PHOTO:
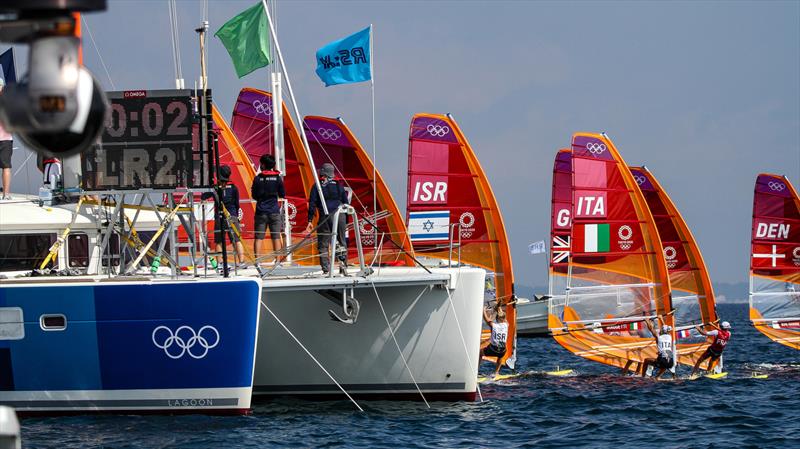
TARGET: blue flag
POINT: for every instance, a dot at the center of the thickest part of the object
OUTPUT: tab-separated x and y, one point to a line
347	60
7	62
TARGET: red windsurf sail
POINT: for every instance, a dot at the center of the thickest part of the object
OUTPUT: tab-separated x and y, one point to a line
449	194
775	260
332	141
252	125
692	291
616	276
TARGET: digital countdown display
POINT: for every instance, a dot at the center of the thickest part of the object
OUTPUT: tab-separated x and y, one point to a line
147	142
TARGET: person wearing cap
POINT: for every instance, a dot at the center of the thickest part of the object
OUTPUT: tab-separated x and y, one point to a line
722	335
6	148
335	195
666	353
230	201
267	189
496	346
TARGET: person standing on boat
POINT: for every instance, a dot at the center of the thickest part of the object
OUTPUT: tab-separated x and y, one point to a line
230	201
50	167
722	335
335	195
496	346
666	350
6	148
267	189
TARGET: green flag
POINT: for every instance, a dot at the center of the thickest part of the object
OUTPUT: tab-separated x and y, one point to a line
246	37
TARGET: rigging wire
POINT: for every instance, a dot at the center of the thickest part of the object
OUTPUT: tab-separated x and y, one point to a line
310	355
97	49
396	344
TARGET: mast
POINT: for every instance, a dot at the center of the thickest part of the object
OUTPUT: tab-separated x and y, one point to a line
294	105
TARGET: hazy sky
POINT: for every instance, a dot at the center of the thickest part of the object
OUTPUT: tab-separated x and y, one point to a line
706	94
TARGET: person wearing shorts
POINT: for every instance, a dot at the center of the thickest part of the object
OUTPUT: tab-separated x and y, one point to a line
666	350
267	190
498	337
721	335
6	148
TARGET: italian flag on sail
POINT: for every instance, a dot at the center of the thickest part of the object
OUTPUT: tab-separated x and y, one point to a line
593	238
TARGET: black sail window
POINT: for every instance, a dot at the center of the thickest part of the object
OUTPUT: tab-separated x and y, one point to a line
19	252
78	250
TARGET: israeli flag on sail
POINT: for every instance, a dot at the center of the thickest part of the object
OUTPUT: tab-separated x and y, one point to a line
537	247
347	60
429	225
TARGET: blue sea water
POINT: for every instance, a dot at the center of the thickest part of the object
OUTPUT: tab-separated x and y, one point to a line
594	408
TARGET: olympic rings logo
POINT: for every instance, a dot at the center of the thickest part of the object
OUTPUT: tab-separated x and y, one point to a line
438	130
240	214
367	233
796	256
640	179
777	186
262	107
186	341
329	134
596	148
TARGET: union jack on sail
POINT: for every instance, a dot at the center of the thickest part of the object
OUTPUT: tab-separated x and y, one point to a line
560	248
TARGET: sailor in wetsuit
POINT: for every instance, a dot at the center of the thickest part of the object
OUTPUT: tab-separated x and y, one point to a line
496	346
666	351
267	189
721	336
335	195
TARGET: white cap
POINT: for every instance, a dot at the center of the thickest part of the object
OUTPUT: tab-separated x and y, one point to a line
725	325
666	328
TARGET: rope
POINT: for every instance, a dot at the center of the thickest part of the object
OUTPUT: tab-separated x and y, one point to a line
397	345
460	332
311	355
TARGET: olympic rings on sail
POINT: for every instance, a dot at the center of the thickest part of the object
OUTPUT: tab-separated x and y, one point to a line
329	134
596	148
262	107
777	186
438	130
185	342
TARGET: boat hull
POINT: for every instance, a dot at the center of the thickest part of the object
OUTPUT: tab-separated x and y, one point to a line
532	319
128	346
362	356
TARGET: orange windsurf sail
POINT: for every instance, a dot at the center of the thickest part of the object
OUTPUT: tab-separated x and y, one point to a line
616	277
692	292
775	260
449	195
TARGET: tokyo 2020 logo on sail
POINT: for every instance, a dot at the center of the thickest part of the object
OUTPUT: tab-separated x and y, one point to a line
639	179
671	255
776	186
625	234
263	107
438	130
466	220
185	341
796	256
329	134
596	148
367	232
